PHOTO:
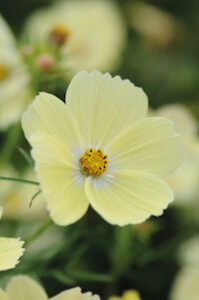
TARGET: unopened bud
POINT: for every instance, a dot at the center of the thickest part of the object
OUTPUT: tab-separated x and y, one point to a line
45	62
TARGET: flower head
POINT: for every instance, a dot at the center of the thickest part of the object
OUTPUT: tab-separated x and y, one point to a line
23	287
10	251
155	25
127	295
89	34
186	283
59	34
45	62
14	80
185	181
100	149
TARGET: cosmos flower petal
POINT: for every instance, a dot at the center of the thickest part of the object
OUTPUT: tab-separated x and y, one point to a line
150	145
130	197
127	295
11	249
103	106
64	195
6	36
47	149
50	115
23	287
184	182
1	211
75	294
61	183
15	91
182	117
3	295
186	284
131	295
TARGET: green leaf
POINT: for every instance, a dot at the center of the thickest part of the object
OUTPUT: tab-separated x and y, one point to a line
62	277
82	275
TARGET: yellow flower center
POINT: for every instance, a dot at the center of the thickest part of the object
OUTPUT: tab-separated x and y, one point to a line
59	34
3	72
94	162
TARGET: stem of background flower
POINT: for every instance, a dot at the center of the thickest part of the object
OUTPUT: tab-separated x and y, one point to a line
19	180
38	232
10	144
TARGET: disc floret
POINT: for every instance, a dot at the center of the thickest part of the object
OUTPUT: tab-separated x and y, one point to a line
3	72
94	162
58	34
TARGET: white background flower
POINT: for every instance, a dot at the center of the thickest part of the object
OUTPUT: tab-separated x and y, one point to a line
96	33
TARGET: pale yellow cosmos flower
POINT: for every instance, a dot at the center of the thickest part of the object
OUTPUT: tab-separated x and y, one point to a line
186	283
91	33
185	181
101	149
23	287
14	80
189	252
127	295
11	249
155	25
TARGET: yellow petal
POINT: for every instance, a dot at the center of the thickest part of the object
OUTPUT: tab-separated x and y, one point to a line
75	294
150	145
131	295
1	211
48	150
128	197
185	123
25	288
10	251
61	182
6	36
50	115
104	106
3	295
186	284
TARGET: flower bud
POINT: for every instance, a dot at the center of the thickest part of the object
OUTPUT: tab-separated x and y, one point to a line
45	62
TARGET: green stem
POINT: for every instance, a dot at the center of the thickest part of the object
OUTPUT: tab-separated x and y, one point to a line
26	156
10	144
19	180
38	232
33	198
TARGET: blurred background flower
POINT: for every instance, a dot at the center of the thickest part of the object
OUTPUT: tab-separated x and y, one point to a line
185	181
25	287
14	79
89	34
127	295
186	284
